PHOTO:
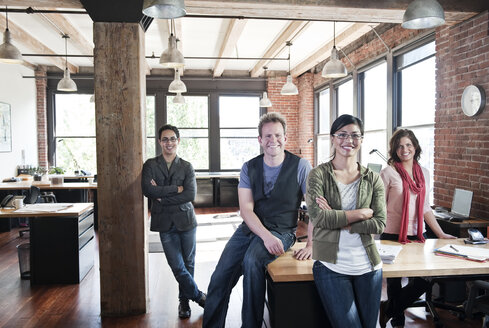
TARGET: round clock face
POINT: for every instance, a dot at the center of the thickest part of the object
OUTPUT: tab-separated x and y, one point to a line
473	100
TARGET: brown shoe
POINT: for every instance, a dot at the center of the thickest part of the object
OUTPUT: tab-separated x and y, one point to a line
383	317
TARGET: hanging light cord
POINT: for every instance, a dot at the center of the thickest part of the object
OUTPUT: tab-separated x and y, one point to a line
65	36
334	34
288	44
172	26
6	17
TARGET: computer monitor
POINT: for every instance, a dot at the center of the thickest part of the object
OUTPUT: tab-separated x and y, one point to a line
461	202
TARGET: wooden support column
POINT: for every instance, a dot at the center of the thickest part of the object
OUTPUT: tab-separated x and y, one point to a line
120	93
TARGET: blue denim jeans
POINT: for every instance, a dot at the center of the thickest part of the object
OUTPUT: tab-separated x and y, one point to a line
244	254
179	248
349	301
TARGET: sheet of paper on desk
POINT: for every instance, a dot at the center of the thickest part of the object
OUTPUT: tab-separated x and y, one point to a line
468	252
388	253
43	207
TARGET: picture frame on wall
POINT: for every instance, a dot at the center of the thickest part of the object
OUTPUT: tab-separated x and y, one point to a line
5	128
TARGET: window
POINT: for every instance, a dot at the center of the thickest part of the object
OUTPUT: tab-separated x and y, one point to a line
374	90
416	71
345	98
75	133
192	120
323	140
238	121
150	127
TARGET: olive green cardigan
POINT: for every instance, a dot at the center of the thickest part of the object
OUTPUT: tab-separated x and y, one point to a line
328	223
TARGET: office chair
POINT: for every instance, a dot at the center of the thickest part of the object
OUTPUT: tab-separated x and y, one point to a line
477	301
35	196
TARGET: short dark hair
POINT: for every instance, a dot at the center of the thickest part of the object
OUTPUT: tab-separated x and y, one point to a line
168	127
396	140
271	118
344	120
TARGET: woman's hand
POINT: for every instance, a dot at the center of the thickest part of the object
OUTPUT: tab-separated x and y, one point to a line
322	203
446	236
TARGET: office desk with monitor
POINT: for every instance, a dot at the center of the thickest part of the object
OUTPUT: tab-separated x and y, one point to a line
217	189
291	289
68	192
62	243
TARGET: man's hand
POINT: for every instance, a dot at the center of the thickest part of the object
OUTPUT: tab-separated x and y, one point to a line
180	189
274	245
322	203
153	183
304	253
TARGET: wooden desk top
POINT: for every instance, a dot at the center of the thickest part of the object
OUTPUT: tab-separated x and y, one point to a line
222	175
46	186
415	260
75	210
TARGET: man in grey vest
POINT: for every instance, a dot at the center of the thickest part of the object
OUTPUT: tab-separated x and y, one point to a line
270	191
169	181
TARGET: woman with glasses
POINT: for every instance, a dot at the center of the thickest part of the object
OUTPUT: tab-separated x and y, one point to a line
406	193
346	205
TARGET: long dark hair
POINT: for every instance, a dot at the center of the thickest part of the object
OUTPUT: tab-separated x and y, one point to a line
396	140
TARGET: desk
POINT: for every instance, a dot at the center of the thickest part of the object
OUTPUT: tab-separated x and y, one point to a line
459	229
216	189
62	243
68	192
291	289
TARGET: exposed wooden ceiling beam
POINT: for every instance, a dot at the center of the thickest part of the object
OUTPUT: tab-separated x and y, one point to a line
76	36
378	11
278	45
19	36
342	39
43	3
233	33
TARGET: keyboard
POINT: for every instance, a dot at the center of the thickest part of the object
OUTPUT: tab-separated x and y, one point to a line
442	215
449	216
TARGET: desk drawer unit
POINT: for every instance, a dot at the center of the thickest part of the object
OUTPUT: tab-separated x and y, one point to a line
62	249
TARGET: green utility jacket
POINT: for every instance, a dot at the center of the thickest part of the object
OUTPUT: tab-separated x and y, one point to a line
328	223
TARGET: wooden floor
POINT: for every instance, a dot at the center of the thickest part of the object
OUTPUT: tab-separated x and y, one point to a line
79	305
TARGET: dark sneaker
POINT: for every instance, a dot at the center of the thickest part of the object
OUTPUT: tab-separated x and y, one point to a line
184	309
202	299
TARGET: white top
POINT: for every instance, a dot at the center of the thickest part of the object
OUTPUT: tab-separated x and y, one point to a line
352	258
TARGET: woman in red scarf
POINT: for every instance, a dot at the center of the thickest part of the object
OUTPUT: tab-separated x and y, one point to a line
407	196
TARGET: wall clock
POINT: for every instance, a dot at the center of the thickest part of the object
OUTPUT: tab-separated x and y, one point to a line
473	100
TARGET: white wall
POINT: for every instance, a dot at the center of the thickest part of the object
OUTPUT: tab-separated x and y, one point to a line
20	93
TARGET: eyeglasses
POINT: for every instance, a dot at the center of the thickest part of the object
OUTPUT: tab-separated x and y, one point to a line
167	140
354	136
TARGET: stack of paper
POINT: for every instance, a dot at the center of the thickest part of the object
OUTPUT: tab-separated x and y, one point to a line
467	252
43	207
388	253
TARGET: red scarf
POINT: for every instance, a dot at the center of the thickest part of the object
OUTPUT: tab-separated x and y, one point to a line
418	187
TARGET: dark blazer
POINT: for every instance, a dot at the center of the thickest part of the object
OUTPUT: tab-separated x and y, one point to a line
173	207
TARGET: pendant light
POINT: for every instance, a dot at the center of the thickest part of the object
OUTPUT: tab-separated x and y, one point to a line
66	83
177	86
179	99
334	68
264	101
423	14
289	88
9	54
164	9
172	57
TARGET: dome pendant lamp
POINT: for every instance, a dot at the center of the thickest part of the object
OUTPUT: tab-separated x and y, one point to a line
334	68
9	54
423	14
164	9
177	86
66	83
265	102
172	57
289	88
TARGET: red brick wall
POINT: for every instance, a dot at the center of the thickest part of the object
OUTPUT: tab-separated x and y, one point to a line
461	142
298	112
41	108
288	106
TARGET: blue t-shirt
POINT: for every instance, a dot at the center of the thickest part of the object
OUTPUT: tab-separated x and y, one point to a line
270	175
